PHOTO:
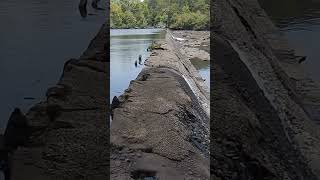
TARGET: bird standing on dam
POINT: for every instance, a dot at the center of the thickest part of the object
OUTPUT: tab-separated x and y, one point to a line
140	59
136	63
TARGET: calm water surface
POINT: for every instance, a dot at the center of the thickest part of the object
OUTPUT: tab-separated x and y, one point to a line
125	47
36	38
299	20
204	70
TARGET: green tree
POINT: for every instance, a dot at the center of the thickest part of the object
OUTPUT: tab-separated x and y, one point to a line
116	16
177	14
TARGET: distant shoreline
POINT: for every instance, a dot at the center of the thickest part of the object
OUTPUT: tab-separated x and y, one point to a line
162	28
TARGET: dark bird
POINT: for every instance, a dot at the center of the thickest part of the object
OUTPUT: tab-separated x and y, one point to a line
302	58
83	8
140	58
136	63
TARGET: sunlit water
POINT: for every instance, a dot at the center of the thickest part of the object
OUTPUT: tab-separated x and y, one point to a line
125	47
36	38
300	22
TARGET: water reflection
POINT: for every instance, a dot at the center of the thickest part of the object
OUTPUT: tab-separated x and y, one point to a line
300	22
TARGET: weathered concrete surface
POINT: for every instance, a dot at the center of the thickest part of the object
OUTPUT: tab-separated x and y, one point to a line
248	137
69	131
279	139
161	128
175	59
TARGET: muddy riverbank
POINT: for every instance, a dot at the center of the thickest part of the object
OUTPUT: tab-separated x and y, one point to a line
265	107
160	126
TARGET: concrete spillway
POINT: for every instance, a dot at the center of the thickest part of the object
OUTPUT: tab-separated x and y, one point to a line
278	132
160	129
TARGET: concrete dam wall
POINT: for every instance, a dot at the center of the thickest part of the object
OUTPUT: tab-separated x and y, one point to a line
262	127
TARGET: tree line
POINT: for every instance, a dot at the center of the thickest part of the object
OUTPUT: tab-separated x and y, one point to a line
175	14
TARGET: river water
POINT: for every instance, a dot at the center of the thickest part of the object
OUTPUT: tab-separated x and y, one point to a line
299	20
125	47
36	38
203	68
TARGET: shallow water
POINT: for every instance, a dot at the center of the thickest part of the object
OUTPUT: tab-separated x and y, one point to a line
299	20
204	69
125	47
36	38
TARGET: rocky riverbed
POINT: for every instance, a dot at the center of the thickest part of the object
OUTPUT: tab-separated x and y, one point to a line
194	44
262	127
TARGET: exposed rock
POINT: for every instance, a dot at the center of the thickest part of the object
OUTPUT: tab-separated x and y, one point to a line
143	77
195	44
59	91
